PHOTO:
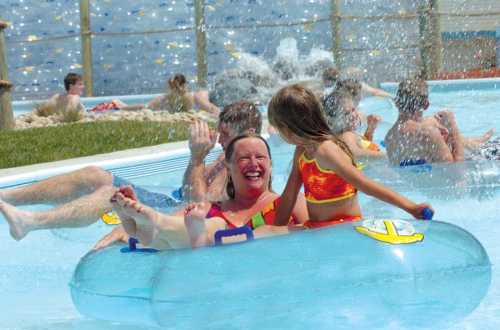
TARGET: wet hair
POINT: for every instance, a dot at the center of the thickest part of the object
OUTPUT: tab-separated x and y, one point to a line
412	96
296	109
330	74
333	106
71	79
176	97
351	86
229	154
241	115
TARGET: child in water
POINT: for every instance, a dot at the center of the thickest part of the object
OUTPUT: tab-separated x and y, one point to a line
324	164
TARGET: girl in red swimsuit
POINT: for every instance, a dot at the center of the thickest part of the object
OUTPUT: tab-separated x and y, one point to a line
323	163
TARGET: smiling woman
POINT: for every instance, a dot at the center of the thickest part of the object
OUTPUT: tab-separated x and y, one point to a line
251	203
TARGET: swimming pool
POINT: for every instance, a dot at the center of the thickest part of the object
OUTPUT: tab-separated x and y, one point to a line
34	272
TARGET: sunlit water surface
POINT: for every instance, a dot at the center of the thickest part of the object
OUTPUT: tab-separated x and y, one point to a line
34	272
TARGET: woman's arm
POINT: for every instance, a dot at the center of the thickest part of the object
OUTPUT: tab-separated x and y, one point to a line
374	91
156	103
351	139
201	99
201	141
289	196
338	161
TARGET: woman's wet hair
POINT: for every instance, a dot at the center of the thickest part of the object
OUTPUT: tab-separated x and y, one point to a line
242	116
71	79
177	96
333	106
228	154
296	109
412	96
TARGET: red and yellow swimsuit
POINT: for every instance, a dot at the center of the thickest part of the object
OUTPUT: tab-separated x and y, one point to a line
265	217
324	186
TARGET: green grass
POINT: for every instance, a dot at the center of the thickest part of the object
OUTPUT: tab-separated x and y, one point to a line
39	145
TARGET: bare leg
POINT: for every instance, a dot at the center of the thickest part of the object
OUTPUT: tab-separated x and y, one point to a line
60	188
77	213
475	142
151	227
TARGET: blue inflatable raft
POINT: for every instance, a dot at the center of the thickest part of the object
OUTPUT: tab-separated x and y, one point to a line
365	274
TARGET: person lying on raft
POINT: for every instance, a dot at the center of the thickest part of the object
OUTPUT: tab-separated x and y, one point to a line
324	164
67	102
344	118
81	197
331	79
251	203
417	139
177	98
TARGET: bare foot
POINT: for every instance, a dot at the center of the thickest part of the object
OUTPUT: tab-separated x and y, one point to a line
131	211
17	219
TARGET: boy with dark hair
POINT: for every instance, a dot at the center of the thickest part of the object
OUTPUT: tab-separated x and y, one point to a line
68	103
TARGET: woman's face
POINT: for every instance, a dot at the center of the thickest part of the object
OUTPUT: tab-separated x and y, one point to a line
250	167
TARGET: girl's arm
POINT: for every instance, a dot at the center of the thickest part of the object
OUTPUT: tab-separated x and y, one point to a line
338	161
289	196
300	210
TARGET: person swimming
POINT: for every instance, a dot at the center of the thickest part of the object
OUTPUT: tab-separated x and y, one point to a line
415	139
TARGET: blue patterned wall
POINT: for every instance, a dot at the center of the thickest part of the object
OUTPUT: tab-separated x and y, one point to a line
44	42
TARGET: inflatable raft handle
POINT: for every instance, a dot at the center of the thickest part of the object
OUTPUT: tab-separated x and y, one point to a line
132	247
427	213
232	232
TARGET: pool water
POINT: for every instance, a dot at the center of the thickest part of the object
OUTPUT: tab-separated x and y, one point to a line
34	272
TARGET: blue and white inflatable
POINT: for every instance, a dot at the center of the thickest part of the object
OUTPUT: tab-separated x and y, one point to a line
366	274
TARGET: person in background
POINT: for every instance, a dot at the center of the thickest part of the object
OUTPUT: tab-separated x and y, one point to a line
415	139
177	98
343	119
332	77
67	103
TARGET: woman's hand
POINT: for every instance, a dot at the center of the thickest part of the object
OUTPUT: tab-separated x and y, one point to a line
118	234
194	220
202	139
